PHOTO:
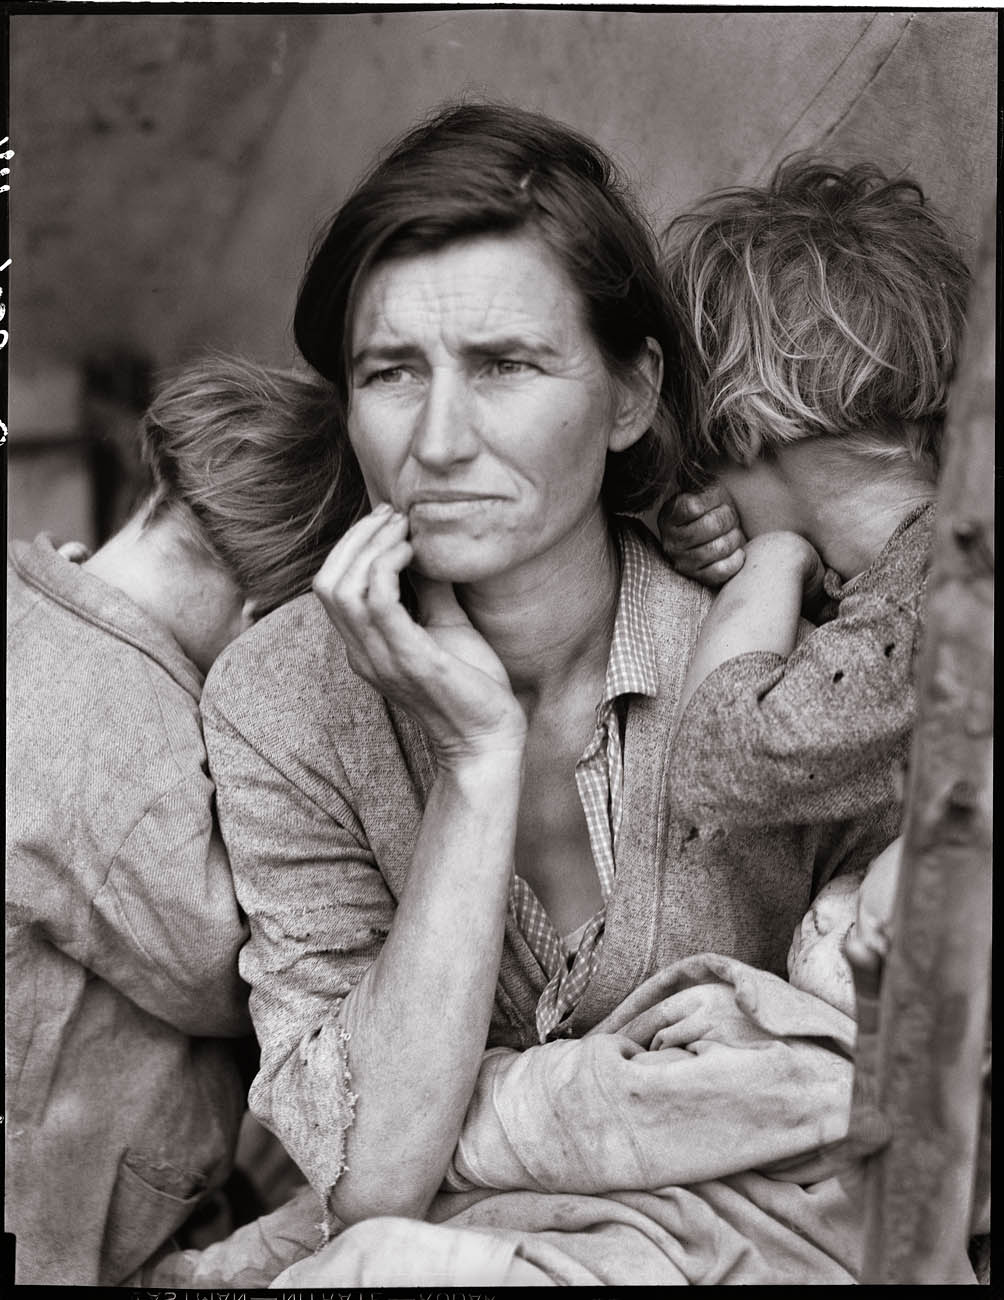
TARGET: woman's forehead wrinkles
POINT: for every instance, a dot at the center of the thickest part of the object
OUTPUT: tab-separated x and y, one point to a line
470	312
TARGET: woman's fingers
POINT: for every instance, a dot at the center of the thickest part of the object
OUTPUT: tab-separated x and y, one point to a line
444	672
398	646
348	550
359	586
437	603
445	621
382	579
343	579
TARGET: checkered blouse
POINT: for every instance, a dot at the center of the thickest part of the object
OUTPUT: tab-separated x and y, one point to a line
631	670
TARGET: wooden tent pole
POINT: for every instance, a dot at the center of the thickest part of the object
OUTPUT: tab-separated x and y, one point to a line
934	999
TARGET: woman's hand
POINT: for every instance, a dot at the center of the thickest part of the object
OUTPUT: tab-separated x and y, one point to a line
419	1016
444	672
702	536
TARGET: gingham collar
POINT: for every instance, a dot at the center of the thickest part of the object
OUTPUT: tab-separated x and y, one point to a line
632	667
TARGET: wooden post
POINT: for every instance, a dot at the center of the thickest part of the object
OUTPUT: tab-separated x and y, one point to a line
934	999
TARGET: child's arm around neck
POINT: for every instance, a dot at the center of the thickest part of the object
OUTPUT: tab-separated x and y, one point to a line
759	609
777	727
810	502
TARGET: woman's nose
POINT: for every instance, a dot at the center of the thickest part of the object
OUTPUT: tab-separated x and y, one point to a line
444	429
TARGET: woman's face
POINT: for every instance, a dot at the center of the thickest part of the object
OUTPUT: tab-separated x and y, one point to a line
481	406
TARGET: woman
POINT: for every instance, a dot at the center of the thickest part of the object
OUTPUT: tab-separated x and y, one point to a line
442	784
127	1020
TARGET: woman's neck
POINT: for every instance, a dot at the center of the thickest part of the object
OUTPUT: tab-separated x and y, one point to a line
551	621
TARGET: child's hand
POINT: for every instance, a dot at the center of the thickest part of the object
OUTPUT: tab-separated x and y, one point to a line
757	610
75	552
783	553
701	535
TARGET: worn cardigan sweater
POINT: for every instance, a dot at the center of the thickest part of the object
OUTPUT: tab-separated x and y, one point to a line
321	785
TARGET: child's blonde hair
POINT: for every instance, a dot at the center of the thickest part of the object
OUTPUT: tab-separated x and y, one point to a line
828	303
252	462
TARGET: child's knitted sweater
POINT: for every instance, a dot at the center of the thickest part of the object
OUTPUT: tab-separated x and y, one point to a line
824	734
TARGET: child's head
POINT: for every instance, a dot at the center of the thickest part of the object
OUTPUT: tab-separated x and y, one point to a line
828	304
849	921
248	461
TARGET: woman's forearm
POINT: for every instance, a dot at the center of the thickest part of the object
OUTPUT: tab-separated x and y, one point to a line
419	1018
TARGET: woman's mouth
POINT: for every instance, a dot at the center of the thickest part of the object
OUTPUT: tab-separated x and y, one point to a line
447	508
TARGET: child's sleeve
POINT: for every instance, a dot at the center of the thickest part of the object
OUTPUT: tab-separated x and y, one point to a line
819	737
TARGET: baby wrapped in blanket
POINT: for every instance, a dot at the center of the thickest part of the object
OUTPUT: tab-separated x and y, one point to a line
694	1137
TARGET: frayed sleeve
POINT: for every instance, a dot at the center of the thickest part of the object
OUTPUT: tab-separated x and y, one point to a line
319	911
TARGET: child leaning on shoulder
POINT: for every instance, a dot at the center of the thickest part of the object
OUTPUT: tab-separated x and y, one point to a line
123	925
825	314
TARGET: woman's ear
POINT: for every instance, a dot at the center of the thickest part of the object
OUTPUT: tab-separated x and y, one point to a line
637	397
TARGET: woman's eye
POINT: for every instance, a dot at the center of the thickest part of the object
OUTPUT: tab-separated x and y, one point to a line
510	366
390	375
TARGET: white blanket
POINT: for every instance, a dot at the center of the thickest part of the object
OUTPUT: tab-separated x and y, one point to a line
692	1138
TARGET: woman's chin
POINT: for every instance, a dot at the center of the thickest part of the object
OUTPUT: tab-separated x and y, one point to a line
445	559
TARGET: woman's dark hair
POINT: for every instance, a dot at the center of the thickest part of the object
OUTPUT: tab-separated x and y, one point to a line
480	169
